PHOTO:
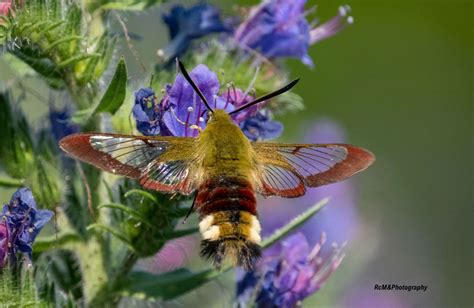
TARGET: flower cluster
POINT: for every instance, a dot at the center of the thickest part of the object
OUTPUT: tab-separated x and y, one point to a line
287	274
20	223
275	29
185	25
279	29
182	113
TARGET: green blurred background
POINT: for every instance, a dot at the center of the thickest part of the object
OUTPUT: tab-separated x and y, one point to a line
400	81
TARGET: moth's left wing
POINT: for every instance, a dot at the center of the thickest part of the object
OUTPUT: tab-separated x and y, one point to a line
165	164
286	169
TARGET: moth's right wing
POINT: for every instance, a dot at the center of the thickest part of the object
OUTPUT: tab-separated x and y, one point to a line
287	169
166	164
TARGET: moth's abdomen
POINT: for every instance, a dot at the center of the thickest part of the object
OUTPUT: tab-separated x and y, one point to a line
229	224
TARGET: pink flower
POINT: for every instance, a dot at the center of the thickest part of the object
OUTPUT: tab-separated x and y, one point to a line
3	242
173	255
5	7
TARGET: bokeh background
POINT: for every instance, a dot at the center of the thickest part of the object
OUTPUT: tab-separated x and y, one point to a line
400	83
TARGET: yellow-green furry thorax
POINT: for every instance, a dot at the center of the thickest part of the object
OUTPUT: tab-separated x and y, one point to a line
226	149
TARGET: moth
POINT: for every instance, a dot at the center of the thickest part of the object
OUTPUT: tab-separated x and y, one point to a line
224	171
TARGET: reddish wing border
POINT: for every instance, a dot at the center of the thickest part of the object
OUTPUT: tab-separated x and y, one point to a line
314	164
276	182
147	167
357	160
78	146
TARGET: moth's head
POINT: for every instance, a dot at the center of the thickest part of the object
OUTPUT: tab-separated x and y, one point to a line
218	115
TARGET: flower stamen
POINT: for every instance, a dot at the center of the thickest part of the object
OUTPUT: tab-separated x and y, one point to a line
333	26
190	109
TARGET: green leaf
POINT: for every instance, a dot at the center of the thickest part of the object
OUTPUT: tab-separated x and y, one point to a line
112	231
61	240
95	67
74	18
52	26
79	58
128	210
173	284
142	193
82	116
16	145
62	41
164	286
180	233
129	5
38	62
6	181
115	95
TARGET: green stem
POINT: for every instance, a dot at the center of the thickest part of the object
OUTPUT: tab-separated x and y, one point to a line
11	182
108	297
93	268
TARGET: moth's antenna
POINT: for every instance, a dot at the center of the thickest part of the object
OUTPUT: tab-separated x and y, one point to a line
268	96
191	82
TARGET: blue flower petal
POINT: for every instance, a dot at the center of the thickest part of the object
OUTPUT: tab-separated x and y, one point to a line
261	127
25	196
185	105
185	25
42	218
23	243
277	29
23	222
146	112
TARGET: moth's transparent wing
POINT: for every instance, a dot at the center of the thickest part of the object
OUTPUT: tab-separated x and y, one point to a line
286	169
165	164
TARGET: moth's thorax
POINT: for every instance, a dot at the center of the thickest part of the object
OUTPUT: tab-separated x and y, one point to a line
225	148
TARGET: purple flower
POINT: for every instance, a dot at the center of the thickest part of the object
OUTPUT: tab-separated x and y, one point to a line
61	124
261	126
185	25
339	219
147	112
186	111
278	28
237	97
333	26
182	113
23	223
3	242
287	274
